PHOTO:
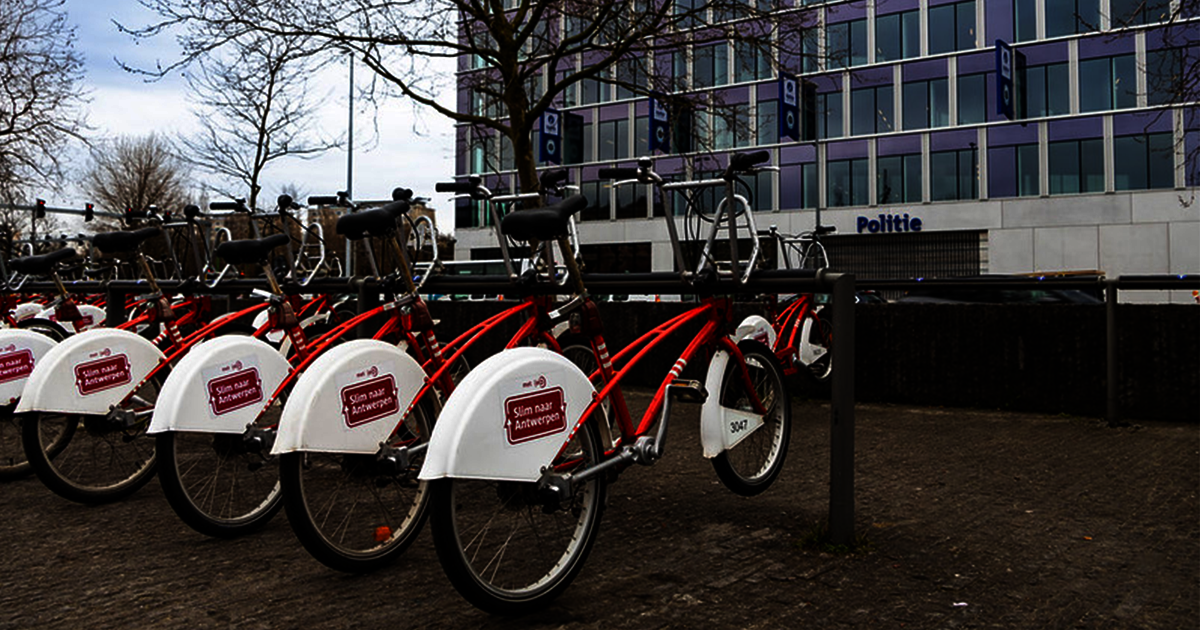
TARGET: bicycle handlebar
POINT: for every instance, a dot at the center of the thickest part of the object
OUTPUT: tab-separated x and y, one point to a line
619	172
323	200
454	187
236	206
743	161
551	179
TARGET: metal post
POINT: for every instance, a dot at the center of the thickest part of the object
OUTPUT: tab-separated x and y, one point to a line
349	266
1112	412
841	418
114	307
368	298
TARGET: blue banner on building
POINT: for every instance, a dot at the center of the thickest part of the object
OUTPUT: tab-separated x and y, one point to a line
789	107
1006	93
660	126
550	138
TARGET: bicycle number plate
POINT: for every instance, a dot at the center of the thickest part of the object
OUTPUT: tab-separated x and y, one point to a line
739	425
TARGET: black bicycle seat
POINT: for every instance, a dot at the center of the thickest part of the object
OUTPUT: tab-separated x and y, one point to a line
250	250
544	224
117	242
376	222
41	264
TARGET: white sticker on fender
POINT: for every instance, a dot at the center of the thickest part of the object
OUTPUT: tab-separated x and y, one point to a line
534	407
368	395
101	370
232	385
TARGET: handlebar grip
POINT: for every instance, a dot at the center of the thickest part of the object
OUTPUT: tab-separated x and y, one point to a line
285	202
454	187
741	161
401	194
622	172
550	179
192	211
225	205
323	200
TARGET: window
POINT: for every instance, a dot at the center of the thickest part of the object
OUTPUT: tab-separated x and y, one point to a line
926	104
631	202
598	205
1147	161
972	99
1076	166
952	27
1165	81
898	36
871	110
1013	171
690	13
798	51
614	140
593	90
766	123
846	44
953	175
568	93
809	186
1107	83
1047	90
731	126
1132	12
898	179
752	63
710	66
846	183
829	115
1068	17
1024	20
576	139
641	136
1029	181
630	71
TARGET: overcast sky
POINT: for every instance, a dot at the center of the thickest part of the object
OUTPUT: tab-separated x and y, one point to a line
126	104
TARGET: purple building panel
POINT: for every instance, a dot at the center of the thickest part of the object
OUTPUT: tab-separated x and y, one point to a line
1002	172
924	70
1192	168
729	96
797	154
768	91
845	12
1055	52
1157	121
998	17
899	145
896	6
935	3
615	111
846	150
952	140
871	77
977	62
826	82
1075	129
1107	45
1014	134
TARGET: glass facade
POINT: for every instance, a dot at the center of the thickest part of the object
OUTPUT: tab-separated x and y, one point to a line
897	105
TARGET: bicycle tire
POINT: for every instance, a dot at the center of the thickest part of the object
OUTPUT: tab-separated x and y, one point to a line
501	549
349	512
754	463
100	462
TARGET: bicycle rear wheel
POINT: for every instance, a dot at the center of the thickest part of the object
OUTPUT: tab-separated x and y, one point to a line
753	464
354	512
503	548
105	458
13	464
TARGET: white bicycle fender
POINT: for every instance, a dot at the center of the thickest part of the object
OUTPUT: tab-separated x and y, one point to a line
89	372
219	386
93	317
508	418
721	428
25	310
757	328
349	400
20	351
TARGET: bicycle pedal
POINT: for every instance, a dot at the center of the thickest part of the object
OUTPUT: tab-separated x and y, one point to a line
686	390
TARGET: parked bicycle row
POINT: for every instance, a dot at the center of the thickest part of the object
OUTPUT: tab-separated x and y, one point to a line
362	424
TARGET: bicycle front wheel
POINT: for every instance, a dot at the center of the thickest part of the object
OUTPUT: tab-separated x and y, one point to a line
355	512
504	548
752	465
104	458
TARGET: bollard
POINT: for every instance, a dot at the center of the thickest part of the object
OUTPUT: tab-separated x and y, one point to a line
841	439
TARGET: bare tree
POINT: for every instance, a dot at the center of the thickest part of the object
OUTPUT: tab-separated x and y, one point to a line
254	102
41	101
136	173
521	56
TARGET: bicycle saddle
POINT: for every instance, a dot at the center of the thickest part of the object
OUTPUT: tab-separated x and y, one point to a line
250	250
38	265
822	230
116	242
544	224
376	222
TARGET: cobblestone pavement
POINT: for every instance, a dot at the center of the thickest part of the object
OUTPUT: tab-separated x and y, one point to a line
965	518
